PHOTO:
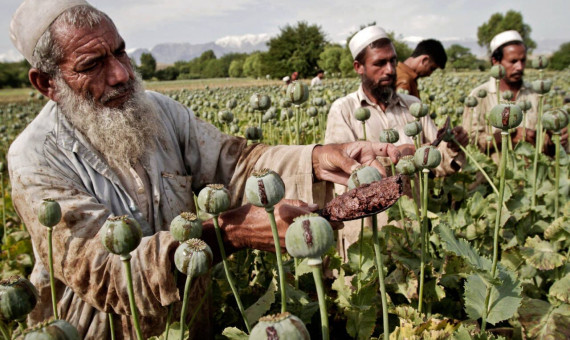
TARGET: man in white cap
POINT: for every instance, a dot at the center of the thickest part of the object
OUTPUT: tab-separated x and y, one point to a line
102	147
375	62
507	49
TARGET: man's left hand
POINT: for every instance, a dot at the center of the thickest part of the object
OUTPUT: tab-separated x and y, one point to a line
335	162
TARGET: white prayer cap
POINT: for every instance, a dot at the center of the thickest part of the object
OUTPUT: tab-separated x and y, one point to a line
364	38
33	18
286	78
503	38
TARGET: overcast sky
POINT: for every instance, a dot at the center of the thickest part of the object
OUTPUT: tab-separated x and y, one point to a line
145	23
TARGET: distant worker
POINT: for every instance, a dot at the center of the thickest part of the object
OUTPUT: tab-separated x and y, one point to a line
294	76
318	80
428	56
507	49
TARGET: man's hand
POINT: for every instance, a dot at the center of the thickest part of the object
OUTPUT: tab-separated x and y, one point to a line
407	149
335	162
460	136
248	226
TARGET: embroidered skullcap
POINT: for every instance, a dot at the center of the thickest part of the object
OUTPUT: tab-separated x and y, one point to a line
365	37
33	18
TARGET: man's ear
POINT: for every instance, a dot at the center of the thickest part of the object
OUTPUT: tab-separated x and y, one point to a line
358	67
42	82
424	60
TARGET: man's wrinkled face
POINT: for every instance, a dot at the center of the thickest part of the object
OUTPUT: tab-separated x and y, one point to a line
95	64
514	62
378	73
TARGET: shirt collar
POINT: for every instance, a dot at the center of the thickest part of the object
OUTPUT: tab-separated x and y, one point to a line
493	86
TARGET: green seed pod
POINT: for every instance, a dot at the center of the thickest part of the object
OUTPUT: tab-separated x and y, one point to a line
427	157
413	128
253	133
186	226
555	120
497	71
481	93
525	105
419	110
309	236
362	114
541	86
18	297
319	101
121	235
312	111
505	116
406	165
508	95
214	199
259	101
285	102
471	101
459	110
540	62
389	136
225	116
49	213
52	330
281	326
231	104
264	188
363	175
193	257
298	92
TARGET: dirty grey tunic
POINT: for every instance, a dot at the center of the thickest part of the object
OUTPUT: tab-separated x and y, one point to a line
52	159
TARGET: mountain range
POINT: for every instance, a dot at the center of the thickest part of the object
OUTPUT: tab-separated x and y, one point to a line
168	53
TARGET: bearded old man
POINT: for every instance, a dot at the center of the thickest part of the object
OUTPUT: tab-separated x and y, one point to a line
103	147
375	62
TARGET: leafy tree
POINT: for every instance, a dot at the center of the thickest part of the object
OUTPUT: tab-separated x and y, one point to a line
329	59
346	64
403	51
498	23
252	66
14	74
460	57
168	73
148	66
236	68
296	48
561	58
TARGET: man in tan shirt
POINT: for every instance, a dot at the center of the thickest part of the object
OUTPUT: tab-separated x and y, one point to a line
508	50
375	62
428	56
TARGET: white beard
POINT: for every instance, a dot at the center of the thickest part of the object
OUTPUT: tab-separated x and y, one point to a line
123	135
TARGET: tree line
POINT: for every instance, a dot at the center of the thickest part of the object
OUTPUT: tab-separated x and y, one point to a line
303	48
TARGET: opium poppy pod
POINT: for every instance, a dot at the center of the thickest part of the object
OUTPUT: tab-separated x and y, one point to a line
540	62
362	114
389	136
186	226
525	105
253	133
259	101
298	92
231	103
555	120
49	213
413	128
507	95
363	175
498	71
264	188
542	86
52	330
406	165
18	297
193	257
419	110
279	326
309	236
121	235
471	101
482	93
427	157
312	111
214	199
505	116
